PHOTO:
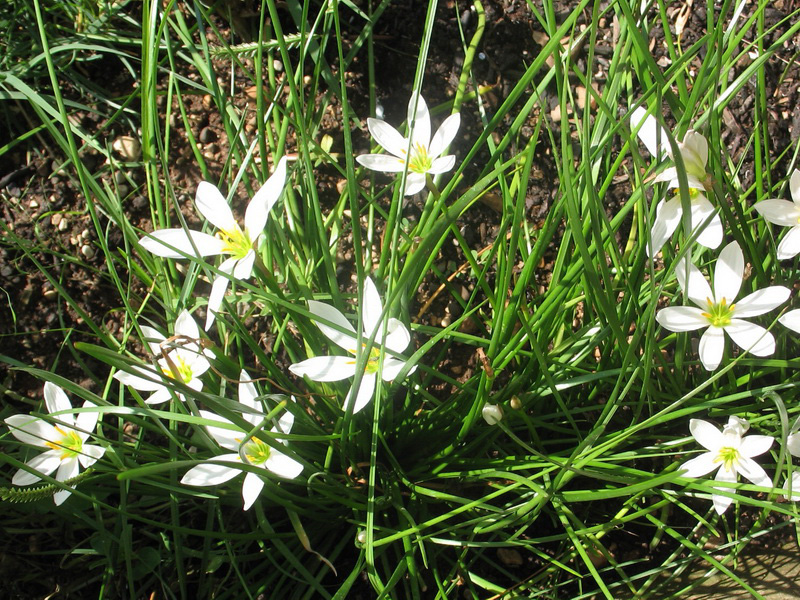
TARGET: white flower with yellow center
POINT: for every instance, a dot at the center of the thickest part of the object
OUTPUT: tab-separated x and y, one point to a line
64	436
254	451
717	310
786	214
231	239
181	359
730	452
393	336
694	152
420	153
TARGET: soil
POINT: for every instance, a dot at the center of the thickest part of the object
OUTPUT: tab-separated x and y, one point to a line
49	242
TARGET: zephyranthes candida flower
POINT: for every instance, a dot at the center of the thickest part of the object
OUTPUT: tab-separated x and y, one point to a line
393	336
717	310
64	435
253	451
231	239
786	214
179	358
694	152
729	451
418	153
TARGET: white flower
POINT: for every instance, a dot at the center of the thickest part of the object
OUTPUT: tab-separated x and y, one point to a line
231	239
255	451
424	150
181	359
729	451
64	439
786	214
393	336
718	311
694	152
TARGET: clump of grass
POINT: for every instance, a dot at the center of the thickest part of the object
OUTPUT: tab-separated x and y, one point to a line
416	496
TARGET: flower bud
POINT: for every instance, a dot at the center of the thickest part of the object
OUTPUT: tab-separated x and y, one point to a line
492	413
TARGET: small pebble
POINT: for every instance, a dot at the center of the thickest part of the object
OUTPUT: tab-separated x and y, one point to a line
33	204
139	202
207	135
50	294
87	251
6	271
56	219
277	65
127	147
62	226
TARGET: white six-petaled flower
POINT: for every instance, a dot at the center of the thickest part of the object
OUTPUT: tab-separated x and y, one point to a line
729	451
393	336
65	439
694	152
254	451
717	310
418	153
181	359
231	239
786	214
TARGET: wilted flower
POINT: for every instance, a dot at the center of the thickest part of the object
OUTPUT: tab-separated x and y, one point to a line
64	438
180	359
694	152
729	451
393	336
786	214
718	312
424	151
254	451
231	239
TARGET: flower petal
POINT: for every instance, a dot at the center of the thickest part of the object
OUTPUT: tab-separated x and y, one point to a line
711	234
365	392
793	445
213	473
791	320
329	313
391	368
650	133
85	422
795	486
706	434
668	215
90	454
152	338
751	337
230	439
388	137
325	368
257	213
213	206
244	266
397	337
177	243
148	379
68	469
31	430
755	445
283	466
761	301
752	471
56	400
779	212
790	244
444	135
251	488
728	273
372	309
700	465
285	423
794	185
419	121
721	503
694	151
442	164
382	162
681	318
160	396
218	289
693	284
248	393
415	183
45	463
712	344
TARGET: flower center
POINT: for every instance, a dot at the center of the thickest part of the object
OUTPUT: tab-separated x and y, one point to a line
728	456
719	314
182	371
421	161
236	242
257	452
70	443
